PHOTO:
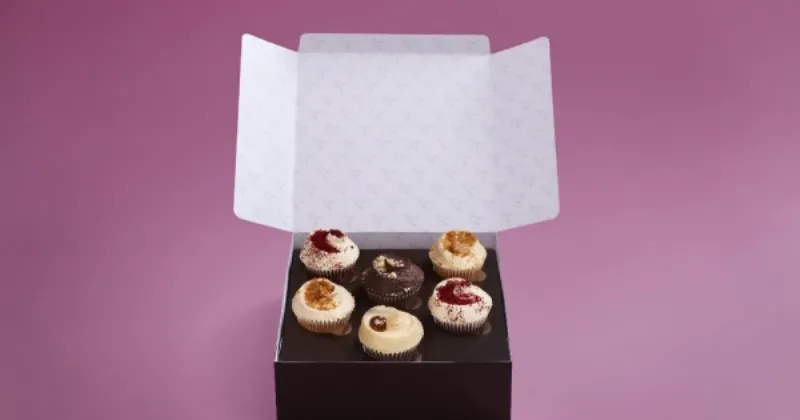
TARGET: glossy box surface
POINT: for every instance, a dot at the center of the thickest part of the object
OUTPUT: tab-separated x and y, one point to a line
472	372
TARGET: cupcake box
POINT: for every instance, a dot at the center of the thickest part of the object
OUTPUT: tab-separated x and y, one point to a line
395	139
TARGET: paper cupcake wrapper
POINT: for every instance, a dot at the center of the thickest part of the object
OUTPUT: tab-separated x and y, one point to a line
345	277
406	356
476	275
335	327
392	300
471	328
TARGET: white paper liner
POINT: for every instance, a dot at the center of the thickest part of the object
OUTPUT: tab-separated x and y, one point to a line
406	356
475	328
476	276
335	327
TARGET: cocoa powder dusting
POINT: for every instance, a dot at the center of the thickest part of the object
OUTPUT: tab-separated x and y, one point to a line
319	295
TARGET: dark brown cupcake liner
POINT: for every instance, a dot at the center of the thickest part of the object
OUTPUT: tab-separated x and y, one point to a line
474	328
475	276
403	300
410	355
335	327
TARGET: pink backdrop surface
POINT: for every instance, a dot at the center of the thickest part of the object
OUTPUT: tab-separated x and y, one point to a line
667	289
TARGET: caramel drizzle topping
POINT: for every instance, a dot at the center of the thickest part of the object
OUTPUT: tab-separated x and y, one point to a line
378	323
319	295
459	242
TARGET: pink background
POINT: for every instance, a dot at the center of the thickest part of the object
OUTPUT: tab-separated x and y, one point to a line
667	289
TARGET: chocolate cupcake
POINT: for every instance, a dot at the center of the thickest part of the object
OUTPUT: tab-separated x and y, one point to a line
387	333
459	254
331	254
323	307
393	280
460	307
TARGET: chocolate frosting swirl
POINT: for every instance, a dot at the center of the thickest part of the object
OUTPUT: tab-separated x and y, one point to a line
392	274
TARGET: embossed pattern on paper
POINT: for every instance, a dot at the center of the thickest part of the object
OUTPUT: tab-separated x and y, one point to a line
265	146
526	182
396	133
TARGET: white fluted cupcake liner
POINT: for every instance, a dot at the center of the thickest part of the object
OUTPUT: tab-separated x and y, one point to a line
460	328
409	355
393	300
336	327
475	275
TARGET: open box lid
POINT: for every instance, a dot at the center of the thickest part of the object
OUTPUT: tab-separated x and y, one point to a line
395	133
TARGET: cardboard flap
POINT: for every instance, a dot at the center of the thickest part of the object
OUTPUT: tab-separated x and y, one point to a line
390	44
395	133
394	142
265	141
523	129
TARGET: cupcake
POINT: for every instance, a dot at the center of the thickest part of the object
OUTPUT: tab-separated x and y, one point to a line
458	254
322	306
392	280
329	253
459	306
387	333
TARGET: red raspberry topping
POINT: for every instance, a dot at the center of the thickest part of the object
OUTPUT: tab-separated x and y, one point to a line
456	292
320	240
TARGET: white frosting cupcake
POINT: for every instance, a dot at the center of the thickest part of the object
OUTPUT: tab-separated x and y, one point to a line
459	306
324	307
387	333
328	252
458	254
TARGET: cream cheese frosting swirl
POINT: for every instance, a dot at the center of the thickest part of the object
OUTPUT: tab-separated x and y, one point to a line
388	330
457	301
328	250
321	300
458	250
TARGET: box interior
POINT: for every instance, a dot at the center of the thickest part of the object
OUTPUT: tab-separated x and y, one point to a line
298	345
